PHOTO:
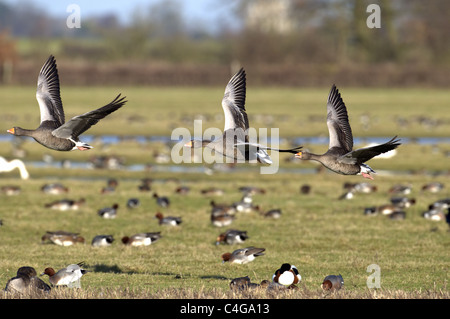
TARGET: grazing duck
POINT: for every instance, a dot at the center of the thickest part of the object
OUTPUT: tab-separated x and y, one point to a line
220	209
244	283
108	212
243	256
340	157
141	239
168	220
11	190
222	219
133	203
182	190
272	213
442	204
433	187
69	276
364	188
162	201
54	189
386	209
53	132
400	189
146	185
332	282
251	190
212	191
403	202
287	275
26	282
397	215
234	142
232	236
436	214
245	205
102	240
66	204
62	238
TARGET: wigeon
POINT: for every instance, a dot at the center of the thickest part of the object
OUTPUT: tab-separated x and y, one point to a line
62	238
244	283
347	195
10	190
433	187
69	276
222	220
272	213
365	188
441	204
436	214
168	220
400	189
54	189
220	209
397	215
403	202
141	239
386	209
243	255
66	204
109	212
102	240
245	205
332	282
287	275
133	203
212	191
26	281
145	185
183	190
232	236
251	190
162	201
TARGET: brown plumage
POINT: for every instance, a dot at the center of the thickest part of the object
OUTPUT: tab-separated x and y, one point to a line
53	132
340	157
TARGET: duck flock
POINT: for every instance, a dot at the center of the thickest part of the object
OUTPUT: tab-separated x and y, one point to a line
57	134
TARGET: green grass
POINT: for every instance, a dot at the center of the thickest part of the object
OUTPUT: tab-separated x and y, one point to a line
318	233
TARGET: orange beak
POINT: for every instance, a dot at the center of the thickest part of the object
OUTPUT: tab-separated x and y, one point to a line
298	155
188	144
11	130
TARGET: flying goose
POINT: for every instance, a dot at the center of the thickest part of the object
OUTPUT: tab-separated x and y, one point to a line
53	132
234	142
340	157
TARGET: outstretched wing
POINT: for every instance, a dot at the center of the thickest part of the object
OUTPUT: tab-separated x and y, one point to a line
79	124
233	102
47	93
337	121
362	155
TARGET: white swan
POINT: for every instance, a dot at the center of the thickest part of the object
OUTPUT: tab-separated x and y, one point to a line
6	166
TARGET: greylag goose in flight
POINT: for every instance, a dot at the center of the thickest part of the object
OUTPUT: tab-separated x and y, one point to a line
340	157
53	132
234	142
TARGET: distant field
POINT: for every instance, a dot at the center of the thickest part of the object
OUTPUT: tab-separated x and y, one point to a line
318	233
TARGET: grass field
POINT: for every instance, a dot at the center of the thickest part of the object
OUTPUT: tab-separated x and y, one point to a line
318	233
